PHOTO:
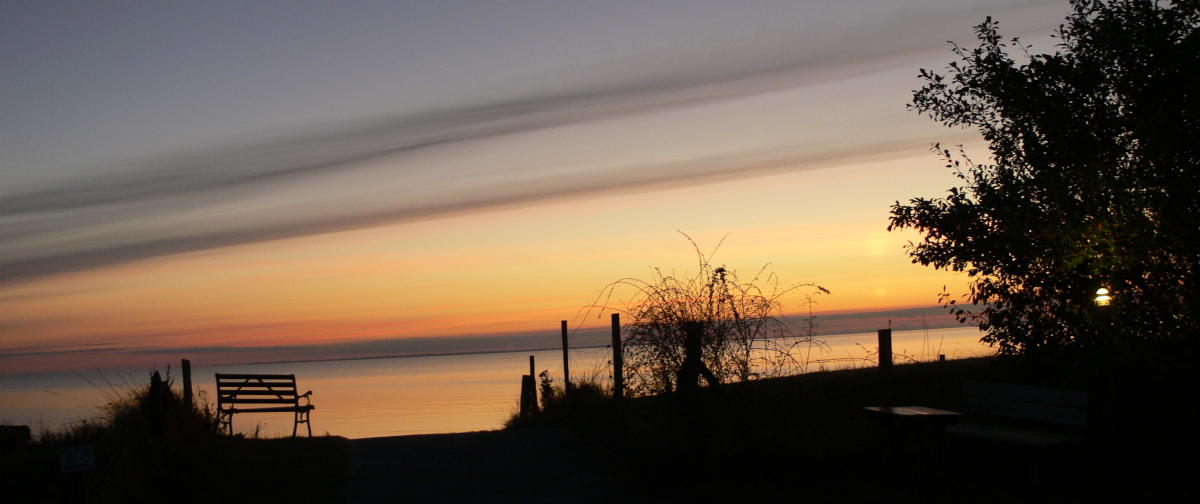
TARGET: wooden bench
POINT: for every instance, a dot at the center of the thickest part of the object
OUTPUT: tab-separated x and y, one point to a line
266	393
1022	414
1045	422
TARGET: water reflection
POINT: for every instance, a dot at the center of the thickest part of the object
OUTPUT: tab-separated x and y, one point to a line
421	395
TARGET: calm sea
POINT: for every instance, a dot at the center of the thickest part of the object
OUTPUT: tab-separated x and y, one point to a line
412	395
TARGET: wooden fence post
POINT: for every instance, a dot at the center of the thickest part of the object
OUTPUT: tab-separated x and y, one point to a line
618	363
529	402
187	383
566	360
528	395
885	350
154	405
687	380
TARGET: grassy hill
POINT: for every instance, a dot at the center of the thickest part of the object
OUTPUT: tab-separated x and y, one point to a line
807	438
798	438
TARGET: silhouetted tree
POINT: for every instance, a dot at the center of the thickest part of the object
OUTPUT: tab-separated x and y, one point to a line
1093	180
744	333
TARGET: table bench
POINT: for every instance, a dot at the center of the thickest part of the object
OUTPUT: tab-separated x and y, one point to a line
914	416
1041	424
915	431
265	393
1022	414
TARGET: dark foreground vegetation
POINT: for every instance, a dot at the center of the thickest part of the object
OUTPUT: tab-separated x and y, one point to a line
806	437
789	439
153	447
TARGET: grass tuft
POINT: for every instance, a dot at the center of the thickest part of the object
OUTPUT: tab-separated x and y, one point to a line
151	445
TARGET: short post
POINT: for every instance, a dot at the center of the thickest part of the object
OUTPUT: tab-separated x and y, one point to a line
885	350
618	363
687	380
529	403
566	359
187	383
528	395
153	409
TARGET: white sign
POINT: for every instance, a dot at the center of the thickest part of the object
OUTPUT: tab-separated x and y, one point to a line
78	458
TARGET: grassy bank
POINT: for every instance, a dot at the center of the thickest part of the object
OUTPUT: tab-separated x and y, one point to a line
806	438
153	447
799	438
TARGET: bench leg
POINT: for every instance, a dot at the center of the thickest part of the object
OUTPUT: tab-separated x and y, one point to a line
302	418
225	421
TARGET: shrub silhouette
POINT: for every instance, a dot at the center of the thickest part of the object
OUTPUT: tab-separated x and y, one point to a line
1092	182
745	333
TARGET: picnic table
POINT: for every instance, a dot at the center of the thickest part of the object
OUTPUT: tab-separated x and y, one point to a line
913	437
913	417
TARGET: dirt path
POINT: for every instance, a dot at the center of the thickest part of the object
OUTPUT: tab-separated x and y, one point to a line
527	465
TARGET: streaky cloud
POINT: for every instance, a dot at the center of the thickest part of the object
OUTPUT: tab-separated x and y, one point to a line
274	189
14	270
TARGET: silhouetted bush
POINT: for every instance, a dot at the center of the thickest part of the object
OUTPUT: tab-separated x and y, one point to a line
1091	180
150	445
745	333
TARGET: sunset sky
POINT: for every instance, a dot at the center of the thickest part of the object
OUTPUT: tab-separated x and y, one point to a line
240	181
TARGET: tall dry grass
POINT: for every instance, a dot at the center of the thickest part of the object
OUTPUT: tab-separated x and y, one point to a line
151	445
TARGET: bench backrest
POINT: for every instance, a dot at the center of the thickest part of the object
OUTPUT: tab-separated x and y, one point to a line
255	389
1053	405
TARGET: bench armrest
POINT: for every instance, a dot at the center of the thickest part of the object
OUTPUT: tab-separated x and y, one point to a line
306	397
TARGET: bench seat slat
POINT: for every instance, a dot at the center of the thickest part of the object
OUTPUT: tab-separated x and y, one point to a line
1012	435
258	392
257	401
255	382
1048	413
256	376
1026	393
252	385
271	410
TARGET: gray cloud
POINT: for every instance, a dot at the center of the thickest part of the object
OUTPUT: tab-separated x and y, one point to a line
409	167
159	207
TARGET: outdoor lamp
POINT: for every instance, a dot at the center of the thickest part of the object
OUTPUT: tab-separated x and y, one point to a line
1102	297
